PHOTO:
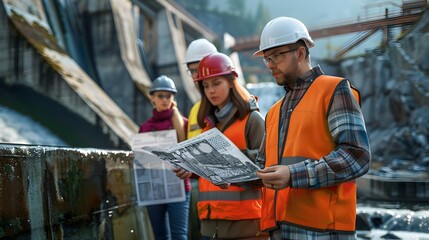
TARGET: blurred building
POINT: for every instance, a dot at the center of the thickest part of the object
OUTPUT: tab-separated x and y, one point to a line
83	68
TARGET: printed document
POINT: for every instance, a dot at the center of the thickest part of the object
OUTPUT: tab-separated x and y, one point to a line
156	182
210	155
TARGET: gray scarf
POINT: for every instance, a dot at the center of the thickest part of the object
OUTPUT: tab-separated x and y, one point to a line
223	113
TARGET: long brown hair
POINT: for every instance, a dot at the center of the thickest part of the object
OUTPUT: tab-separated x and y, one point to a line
238	95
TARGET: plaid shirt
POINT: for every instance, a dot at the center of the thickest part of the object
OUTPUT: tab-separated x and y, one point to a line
351	157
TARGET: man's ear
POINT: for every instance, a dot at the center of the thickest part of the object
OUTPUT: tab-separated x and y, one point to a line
302	52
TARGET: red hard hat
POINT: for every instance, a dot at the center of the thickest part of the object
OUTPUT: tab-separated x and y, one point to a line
215	64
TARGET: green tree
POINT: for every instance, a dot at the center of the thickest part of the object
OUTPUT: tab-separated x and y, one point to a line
262	16
199	5
202	5
236	7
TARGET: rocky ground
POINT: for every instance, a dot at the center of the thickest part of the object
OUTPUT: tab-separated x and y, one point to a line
394	84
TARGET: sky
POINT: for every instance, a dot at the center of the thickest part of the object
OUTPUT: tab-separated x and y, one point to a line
314	13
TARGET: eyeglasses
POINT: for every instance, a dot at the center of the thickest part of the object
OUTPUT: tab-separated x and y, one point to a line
277	57
163	96
191	72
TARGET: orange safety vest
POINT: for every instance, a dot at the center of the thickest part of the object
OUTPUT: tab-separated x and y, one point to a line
330	208
234	203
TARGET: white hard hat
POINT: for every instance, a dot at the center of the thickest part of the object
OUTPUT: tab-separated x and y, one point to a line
282	31
198	49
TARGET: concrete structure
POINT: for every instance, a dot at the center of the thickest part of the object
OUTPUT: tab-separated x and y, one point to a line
83	69
64	193
87	66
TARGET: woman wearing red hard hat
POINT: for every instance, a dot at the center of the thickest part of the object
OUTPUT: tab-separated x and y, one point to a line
229	211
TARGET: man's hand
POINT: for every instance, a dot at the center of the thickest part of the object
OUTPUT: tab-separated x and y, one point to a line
182	173
275	177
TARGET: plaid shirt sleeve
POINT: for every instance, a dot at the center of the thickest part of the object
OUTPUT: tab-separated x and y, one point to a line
351	157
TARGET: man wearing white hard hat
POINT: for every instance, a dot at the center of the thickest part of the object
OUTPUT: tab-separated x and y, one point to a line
197	49
315	145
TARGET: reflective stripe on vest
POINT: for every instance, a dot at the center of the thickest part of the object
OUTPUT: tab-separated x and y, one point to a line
234	203
330	208
250	194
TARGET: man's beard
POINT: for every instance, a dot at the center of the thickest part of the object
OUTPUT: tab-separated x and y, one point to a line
290	78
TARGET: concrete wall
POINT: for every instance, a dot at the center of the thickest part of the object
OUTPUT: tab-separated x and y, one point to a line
65	193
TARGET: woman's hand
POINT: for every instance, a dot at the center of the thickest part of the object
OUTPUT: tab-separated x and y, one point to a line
178	123
174	105
182	173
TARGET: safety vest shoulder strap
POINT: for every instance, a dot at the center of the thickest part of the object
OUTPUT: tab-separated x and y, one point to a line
355	91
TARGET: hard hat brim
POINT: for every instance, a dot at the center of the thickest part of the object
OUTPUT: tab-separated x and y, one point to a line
259	53
162	89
